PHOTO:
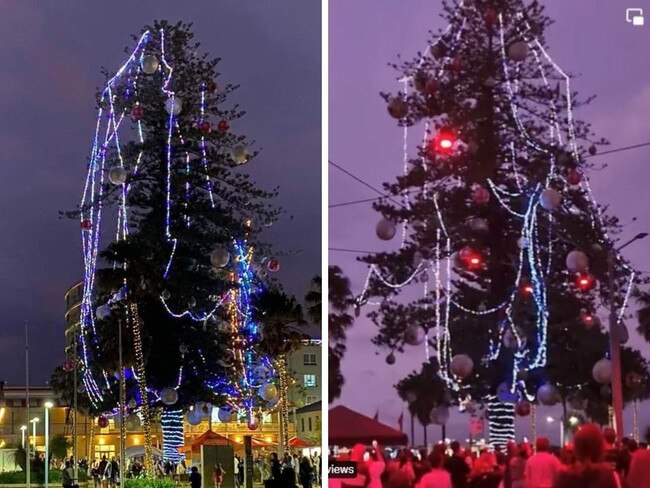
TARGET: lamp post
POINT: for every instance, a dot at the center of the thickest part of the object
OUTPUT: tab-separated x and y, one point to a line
47	405
34	421
614	337
23	428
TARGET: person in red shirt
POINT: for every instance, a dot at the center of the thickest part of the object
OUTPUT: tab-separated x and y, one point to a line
589	470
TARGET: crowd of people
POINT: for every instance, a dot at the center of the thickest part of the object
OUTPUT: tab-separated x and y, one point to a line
291	471
593	460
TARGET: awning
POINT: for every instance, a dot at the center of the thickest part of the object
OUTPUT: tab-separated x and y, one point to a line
347	428
297	442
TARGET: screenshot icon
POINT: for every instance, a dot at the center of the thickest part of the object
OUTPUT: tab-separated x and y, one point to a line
634	16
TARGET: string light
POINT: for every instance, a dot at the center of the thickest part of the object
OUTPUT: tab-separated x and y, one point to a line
171	421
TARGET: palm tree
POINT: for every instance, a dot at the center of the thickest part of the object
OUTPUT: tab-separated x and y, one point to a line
282	321
339	321
314	300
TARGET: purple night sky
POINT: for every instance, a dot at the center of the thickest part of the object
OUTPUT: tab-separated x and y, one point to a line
51	54
589	39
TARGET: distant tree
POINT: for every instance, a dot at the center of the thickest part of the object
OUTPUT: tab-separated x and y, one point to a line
339	321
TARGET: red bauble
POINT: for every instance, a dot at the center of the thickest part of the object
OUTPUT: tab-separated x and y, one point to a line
587	319
585	281
137	112
212	86
205	127
86	225
490	17
431	86
68	365
456	64
253	425
574	177
102	422
442	143
223	126
470	258
526	288
633	380
522	408
480	195
273	265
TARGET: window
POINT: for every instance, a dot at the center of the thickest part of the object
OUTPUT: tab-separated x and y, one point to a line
309	359
302	424
309	423
311	399
310	380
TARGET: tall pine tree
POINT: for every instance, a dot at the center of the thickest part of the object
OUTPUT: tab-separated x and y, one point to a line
499	225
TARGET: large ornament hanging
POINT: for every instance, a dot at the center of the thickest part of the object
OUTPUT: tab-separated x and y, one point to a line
194	417
239	154
522	408
117	175
478	224
547	395
574	177
490	17
518	51
173	106
102	422
577	261
226	414
602	371
461	365
585	281
253	425
169	396
132	423
219	257
415	335
150	64
86	225
550	199
261	374
588	319
103	312
137	113
273	265
268	392
397	108
386	229
390	359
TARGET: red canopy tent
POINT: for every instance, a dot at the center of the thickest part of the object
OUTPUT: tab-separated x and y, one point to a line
297	442
208	438
347	428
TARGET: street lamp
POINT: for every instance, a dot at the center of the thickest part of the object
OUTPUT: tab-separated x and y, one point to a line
23	428
34	421
47	405
614	338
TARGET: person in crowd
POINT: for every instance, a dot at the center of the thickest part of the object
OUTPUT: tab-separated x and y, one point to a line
306	472
406	465
376	467
517	468
457	466
438	476
236	471
639	473
94	474
485	471
357	455
67	475
241	470
219	474
276	467
102	470
590	470
543	467
195	478
616	456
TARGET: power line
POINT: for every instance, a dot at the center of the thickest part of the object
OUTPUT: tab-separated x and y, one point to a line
384	195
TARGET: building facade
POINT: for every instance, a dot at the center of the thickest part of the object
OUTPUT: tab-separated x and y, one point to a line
305	366
308	422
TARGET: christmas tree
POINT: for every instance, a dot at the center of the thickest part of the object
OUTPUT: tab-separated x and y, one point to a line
182	263
498	226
